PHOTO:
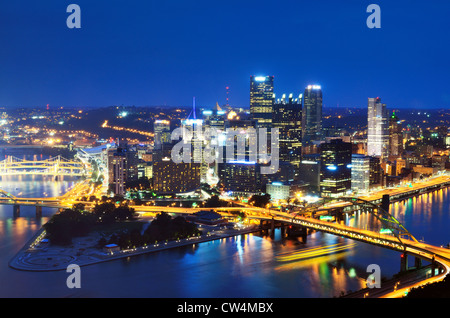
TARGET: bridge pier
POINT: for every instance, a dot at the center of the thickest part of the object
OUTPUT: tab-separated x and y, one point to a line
404	262
433	267
418	262
283	230
38	211
385	202
16	210
298	231
272	228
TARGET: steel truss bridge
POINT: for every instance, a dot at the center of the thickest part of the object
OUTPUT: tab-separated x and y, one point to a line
394	236
54	166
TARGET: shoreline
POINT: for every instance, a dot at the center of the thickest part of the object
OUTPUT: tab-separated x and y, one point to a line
57	258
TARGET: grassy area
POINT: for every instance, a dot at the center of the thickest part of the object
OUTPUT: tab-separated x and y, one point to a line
117	227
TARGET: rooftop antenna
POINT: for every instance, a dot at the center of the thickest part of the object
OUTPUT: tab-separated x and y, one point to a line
228	100
193	108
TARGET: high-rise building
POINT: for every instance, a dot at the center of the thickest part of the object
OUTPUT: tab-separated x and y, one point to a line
360	173
312	114
309	173
261	100
162	132
117	170
171	177
375	172
287	117
335	170
377	129
395	136
123	166
240	177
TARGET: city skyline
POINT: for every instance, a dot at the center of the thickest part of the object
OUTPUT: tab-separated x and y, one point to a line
224	151
163	54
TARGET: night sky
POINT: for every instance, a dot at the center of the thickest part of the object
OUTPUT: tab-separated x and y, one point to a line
150	53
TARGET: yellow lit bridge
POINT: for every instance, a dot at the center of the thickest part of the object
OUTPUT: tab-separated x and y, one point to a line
54	166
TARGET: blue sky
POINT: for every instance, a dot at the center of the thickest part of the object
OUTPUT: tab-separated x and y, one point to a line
165	52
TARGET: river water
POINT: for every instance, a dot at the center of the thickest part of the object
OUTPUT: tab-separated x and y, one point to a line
243	266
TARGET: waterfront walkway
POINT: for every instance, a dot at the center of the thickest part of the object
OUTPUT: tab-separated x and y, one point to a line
40	256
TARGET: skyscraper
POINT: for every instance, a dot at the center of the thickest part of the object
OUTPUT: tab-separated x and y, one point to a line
312	114
335	169
261	100
395	136
360	173
287	117
377	129
162	132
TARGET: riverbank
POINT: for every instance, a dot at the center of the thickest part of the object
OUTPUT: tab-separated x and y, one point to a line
38	255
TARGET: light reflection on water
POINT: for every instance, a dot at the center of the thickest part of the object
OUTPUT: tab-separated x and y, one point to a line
242	266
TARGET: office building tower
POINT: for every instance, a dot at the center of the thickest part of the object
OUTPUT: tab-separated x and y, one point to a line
261	100
335	170
162	132
309	173
360	173
117	170
395	136
312	114
377	129
240	177
287	117
171	178
375	172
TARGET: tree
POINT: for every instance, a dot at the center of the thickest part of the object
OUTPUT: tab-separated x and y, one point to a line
215	202
260	200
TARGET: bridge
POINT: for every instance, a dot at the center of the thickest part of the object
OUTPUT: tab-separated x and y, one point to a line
392	234
54	166
64	201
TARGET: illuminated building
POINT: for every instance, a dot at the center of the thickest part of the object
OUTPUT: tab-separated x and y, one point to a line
117	170
170	177
377	129
395	136
312	114
123	166
162	131
287	117
261	100
240	177
335	170
375	172
309	173
360	173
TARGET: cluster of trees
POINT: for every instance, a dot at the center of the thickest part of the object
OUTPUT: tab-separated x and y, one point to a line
107	212
162	228
260	200
435	290
70	223
215	202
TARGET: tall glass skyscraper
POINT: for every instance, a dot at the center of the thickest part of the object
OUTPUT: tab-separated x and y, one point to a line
395	136
360	173
287	116
261	100
377	129
312	114
335	168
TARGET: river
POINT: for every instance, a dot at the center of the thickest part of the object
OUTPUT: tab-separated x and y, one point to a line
243	266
